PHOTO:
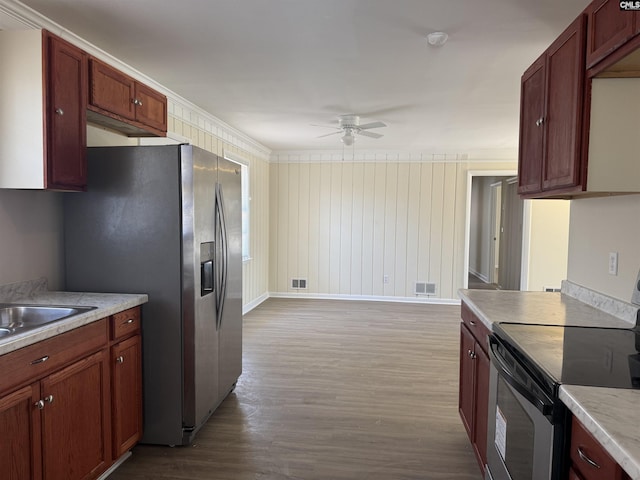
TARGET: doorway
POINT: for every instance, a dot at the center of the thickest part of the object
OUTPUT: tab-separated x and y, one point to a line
494	231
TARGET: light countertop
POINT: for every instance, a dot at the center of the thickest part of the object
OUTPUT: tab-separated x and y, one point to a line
612	416
106	303
547	308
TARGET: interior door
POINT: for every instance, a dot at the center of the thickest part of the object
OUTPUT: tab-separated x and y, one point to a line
511	237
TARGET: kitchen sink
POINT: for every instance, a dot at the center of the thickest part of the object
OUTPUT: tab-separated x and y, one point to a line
16	318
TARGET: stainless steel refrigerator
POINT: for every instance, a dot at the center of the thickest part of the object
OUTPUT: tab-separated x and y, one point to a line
166	221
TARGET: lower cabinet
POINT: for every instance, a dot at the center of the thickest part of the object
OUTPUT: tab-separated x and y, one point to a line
588	459
126	360
75	420
474	383
71	405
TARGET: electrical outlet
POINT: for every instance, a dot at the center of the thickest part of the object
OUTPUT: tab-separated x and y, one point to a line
613	263
385	279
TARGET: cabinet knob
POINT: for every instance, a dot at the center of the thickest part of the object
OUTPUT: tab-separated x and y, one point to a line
137	102
59	111
470	353
129	321
120	359
48	399
39	404
540	121
473	355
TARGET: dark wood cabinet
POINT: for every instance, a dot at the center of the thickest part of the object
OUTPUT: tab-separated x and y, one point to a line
71	405
532	112
551	122
43	112
126	380
123	103
589	460
75	420
65	115
20	446
609	28
473	400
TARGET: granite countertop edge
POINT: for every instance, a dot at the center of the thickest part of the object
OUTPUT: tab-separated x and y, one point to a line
106	303
598	409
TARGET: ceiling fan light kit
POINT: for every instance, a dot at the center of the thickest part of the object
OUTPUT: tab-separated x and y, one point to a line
349	126
437	39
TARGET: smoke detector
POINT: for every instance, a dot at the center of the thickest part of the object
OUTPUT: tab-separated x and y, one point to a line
437	39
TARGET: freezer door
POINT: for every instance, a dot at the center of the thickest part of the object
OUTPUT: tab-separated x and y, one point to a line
201	338
230	259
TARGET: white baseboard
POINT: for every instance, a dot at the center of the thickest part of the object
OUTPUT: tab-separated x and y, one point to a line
113	467
369	298
253	304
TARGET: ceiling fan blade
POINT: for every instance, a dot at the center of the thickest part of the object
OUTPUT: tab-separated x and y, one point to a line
371	125
329	134
370	134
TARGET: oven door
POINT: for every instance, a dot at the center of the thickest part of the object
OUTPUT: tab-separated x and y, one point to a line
521	436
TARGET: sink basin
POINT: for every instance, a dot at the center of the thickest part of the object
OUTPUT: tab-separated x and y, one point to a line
16	318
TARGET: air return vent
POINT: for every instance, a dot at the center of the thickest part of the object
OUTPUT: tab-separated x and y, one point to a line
424	288
298	283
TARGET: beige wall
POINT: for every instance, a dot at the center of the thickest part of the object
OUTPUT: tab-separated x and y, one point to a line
343	226
600	226
548	244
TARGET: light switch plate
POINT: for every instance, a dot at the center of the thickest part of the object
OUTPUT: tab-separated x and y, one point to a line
635	296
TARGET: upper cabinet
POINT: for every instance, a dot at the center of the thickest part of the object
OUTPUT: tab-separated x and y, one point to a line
609	28
124	103
43	114
551	115
579	109
49	90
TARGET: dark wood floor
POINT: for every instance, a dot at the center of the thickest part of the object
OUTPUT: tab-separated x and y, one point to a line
332	390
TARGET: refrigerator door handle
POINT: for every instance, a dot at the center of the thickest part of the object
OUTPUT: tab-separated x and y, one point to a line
220	221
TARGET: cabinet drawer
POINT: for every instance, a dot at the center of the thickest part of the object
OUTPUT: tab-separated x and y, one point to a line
586	449
30	363
475	325
125	323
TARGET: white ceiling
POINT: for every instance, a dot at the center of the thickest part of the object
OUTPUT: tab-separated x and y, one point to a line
271	68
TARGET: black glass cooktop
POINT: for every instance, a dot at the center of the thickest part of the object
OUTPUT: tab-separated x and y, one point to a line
603	357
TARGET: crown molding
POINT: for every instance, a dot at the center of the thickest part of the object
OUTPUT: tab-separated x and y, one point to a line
179	107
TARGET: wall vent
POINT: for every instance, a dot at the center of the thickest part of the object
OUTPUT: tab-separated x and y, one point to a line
298	283
424	288
551	289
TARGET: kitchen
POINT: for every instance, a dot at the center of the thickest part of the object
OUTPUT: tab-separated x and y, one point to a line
38	238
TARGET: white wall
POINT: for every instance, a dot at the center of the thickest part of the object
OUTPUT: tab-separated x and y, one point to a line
548	244
344	225
600	226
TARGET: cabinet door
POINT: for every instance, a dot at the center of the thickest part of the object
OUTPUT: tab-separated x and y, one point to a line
573	475
532	119
467	379
66	130
126	365
20	454
609	28
75	420
111	90
565	70
151	108
482	404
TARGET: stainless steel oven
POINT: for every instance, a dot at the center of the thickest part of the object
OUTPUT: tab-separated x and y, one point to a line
526	425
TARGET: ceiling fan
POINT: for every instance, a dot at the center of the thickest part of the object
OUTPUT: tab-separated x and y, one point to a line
349	126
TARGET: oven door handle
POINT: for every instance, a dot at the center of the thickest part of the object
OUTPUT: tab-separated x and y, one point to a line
545	406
